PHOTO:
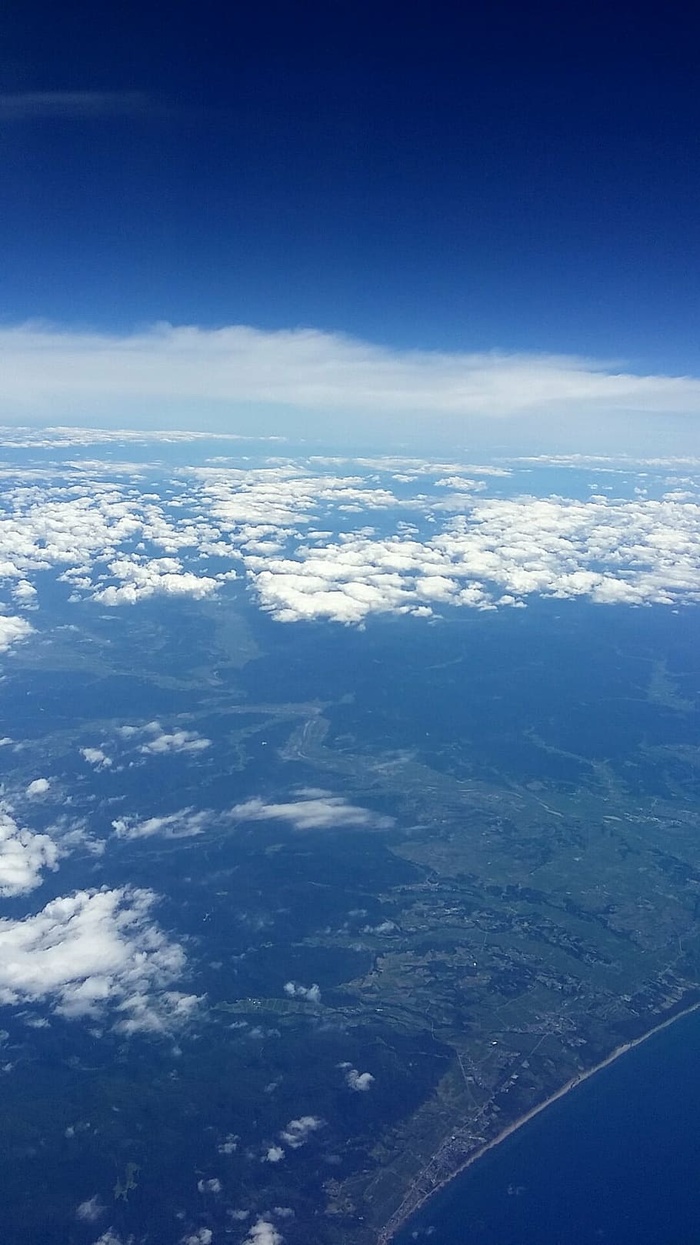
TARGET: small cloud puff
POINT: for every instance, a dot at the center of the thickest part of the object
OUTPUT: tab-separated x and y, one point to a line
294	991
96	757
38	787
263	1232
297	1132
359	1081
209	1186
275	1154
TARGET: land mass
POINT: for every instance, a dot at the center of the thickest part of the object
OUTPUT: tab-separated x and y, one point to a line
441	1170
547	929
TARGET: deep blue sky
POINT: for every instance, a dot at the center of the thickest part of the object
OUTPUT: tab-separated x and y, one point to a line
417	174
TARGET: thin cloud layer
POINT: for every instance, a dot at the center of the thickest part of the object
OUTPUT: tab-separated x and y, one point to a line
92	951
48	369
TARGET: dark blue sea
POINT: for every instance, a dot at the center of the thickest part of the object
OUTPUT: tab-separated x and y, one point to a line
615	1162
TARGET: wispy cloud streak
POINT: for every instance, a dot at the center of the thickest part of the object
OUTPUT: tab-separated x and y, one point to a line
73	105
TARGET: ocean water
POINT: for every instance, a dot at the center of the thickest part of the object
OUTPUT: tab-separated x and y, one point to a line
615	1162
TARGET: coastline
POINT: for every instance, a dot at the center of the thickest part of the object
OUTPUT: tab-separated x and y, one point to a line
400	1217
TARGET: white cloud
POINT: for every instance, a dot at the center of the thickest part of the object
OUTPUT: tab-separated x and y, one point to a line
498	551
24	593
38	787
202	1236
94	949
96	757
361	1082
184	824
320	811
213	1185
142	579
176	741
464	550
90	1210
87	528
275	1154
263	1232
23	856
297	1132
189	372
12	630
295	991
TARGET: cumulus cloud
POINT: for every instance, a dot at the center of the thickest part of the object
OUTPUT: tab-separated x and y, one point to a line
184	824
295	991
161	741
497	552
275	1154
263	1232
12	630
141	579
96	757
87	529
93	950
24	593
202	1236
23	856
291	528
38	787
361	1082
297	1132
188	370
213	1185
318	810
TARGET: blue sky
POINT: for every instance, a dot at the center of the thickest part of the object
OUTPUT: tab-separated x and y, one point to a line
418	176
